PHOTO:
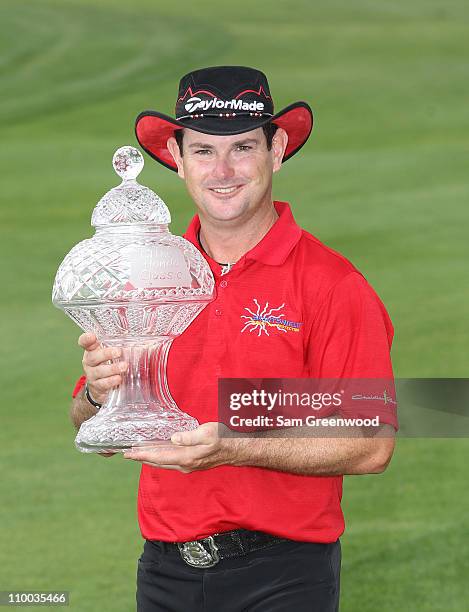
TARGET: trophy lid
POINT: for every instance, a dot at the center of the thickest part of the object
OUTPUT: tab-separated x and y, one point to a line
129	202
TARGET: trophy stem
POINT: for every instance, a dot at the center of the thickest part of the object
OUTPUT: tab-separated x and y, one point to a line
141	410
145	378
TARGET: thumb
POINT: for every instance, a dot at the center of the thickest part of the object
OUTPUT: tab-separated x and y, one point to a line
88	341
204	434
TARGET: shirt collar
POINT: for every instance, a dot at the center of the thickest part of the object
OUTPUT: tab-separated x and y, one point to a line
274	247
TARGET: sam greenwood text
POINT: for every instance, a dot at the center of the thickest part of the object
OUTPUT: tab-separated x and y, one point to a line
308	421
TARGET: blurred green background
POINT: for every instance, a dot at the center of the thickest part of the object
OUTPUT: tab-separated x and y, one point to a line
383	180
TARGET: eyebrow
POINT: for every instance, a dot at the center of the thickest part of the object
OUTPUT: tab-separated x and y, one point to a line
203	145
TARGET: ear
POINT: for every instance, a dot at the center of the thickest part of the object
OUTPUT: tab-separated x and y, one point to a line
279	144
173	148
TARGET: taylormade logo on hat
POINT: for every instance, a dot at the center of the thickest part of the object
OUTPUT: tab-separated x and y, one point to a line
197	104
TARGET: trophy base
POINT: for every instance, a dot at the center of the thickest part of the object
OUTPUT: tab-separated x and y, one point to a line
107	433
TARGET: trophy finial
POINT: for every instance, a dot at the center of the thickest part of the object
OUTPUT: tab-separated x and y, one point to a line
128	162
129	202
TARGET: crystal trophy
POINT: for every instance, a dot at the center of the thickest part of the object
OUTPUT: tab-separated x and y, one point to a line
136	286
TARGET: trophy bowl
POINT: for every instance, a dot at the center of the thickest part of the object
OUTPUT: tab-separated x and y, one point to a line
135	286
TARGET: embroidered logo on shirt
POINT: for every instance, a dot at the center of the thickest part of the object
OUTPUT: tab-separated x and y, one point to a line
268	318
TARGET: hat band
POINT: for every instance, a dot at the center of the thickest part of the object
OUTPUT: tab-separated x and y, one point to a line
224	115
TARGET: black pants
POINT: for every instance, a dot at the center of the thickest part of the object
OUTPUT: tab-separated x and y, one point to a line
287	576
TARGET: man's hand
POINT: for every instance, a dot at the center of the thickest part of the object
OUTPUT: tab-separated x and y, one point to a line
199	449
101	375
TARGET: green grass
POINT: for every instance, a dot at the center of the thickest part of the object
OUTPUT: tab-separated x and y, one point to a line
383	180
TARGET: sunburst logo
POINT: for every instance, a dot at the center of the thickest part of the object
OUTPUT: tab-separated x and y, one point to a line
264	319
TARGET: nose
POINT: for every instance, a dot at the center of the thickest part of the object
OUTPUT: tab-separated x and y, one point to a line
223	168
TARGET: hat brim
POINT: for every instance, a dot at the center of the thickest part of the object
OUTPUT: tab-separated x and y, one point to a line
153	129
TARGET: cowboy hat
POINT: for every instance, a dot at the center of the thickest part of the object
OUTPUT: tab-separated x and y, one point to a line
222	100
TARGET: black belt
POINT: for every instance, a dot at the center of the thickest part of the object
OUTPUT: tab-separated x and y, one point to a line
209	551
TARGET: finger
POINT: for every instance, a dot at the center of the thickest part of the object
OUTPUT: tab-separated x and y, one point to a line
103	386
167	467
161	456
88	341
100	355
105	371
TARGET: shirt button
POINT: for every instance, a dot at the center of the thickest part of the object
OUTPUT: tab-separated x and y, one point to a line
223	284
218	312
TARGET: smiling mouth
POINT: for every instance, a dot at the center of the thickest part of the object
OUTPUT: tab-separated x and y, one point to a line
225	191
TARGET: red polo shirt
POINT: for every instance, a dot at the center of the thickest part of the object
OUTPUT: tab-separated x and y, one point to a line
342	330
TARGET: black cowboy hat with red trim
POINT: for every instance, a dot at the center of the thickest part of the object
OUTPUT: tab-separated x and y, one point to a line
222	100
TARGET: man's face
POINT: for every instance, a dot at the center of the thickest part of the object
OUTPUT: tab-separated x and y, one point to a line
229	177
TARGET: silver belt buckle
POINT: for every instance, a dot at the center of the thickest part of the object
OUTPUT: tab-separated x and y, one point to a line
200	553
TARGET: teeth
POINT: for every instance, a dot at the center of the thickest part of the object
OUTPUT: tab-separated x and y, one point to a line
224	190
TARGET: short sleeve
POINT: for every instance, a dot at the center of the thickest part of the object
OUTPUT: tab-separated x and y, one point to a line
351	338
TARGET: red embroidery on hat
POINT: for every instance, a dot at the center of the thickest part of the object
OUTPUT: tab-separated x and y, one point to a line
258	93
194	93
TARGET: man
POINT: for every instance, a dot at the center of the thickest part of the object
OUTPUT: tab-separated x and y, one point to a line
249	523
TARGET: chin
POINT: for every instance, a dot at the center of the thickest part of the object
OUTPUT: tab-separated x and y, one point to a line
229	215
225	211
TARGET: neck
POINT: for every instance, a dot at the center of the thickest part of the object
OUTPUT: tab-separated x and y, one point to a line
227	244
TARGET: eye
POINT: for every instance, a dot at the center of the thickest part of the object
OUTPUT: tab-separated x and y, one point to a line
243	148
203	151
